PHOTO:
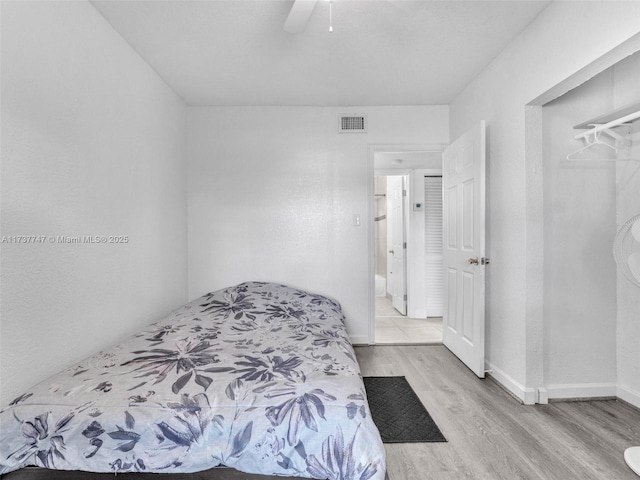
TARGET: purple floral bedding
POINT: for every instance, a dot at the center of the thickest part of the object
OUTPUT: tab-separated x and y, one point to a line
259	377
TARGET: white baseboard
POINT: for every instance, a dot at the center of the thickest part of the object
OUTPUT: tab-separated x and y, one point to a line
629	396
531	396
581	390
359	339
528	396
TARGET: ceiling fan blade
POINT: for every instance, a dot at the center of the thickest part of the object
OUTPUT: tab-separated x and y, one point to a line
299	16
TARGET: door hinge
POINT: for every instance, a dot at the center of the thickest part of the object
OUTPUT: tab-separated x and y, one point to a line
405	297
404	245
485	261
404	193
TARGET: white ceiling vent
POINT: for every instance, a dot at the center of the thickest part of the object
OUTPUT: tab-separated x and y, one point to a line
353	124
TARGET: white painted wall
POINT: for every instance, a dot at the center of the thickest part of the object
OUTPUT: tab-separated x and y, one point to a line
93	143
416	263
579	269
628	332
563	39
627	92
273	191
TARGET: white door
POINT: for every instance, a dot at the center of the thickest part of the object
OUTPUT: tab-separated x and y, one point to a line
396	243
464	247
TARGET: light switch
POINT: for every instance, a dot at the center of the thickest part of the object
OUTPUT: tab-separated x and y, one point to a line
356	219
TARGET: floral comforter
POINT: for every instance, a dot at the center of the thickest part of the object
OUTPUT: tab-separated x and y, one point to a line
259	377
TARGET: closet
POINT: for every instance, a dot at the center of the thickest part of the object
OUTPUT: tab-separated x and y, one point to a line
591	188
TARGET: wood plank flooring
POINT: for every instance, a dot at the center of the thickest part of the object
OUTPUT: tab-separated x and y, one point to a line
491	435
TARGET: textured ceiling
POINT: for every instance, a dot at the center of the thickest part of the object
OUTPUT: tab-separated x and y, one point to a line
381	52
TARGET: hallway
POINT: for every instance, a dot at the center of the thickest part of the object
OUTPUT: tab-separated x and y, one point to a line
392	328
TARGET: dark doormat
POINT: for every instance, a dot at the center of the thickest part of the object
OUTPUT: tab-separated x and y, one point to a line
398	412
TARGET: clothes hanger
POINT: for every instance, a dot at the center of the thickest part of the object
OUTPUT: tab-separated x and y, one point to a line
574	156
589	145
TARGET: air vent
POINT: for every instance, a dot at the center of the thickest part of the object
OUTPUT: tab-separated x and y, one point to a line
353	124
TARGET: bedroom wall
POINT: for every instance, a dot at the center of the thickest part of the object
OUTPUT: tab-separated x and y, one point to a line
93	143
273	192
564	38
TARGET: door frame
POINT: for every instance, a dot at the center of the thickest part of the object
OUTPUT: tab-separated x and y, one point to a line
373	150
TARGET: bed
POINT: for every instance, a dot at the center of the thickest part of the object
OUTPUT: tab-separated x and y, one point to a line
259	377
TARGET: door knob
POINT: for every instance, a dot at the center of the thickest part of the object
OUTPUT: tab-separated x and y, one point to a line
473	261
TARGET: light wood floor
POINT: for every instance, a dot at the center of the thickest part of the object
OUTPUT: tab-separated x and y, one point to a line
491	435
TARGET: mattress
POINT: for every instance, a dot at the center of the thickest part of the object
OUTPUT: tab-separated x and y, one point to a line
259	377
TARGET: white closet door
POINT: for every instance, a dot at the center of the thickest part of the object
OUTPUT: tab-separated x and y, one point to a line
433	244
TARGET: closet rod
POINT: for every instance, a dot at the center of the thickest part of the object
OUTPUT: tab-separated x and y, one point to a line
614	123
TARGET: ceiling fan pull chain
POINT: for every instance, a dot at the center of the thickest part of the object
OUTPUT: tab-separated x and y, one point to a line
330	16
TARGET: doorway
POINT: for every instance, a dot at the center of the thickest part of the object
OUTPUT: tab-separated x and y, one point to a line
407	225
